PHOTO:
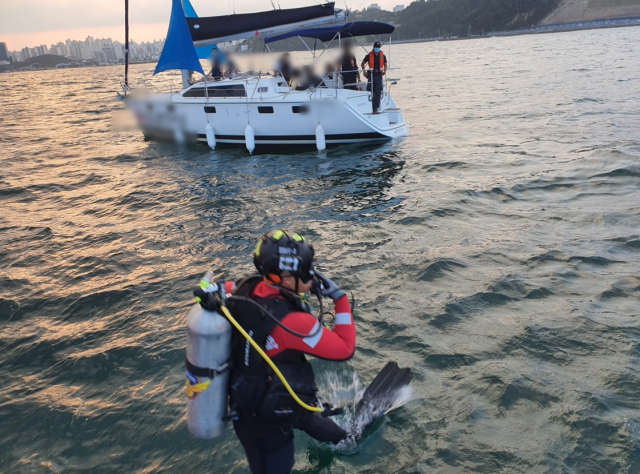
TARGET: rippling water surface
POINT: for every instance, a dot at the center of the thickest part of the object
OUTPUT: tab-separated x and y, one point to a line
495	251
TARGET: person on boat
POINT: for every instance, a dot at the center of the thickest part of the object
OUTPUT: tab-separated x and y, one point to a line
349	67
329	71
266	413
329	74
232	69
283	66
216	64
295	78
377	65
308	79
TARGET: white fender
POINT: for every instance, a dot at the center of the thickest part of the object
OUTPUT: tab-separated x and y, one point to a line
250	138
211	137
321	142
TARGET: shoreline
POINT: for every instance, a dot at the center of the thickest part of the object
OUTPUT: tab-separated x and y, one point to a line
538	30
76	66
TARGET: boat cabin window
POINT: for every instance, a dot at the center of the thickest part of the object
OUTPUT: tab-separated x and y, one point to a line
209	110
300	109
227	90
265	110
263	89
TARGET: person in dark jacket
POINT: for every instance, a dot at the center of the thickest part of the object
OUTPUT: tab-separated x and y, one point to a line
376	62
308	79
266	413
349	67
283	66
216	64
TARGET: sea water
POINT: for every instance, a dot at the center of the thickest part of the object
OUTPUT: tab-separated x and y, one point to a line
342	389
494	251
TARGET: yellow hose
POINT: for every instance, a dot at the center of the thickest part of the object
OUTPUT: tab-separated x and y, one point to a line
269	361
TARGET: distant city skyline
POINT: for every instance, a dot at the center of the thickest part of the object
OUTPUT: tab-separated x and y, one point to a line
101	50
52	22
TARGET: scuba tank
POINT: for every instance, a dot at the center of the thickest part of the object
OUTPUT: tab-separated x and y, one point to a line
209	355
207	359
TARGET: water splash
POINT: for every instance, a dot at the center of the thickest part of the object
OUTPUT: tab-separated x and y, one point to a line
344	389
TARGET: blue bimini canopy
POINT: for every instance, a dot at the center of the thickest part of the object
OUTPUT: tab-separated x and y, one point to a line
355	28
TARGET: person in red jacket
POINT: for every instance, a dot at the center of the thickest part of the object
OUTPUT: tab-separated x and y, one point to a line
272	308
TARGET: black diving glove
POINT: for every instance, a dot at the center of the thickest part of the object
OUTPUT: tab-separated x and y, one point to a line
329	288
211	297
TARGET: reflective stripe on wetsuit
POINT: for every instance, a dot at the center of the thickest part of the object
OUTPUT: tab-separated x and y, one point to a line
338	345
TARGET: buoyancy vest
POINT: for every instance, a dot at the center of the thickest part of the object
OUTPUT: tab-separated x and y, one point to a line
372	62
256	392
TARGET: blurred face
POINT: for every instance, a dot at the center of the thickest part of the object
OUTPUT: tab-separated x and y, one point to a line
289	282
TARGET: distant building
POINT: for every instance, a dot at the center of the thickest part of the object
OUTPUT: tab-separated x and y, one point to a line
398	8
59	49
102	50
4	53
42	49
16	56
375	6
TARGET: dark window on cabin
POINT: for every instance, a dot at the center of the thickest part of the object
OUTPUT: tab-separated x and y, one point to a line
265	110
209	110
300	109
232	90
197	92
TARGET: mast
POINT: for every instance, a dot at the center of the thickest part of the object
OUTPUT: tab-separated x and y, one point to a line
126	43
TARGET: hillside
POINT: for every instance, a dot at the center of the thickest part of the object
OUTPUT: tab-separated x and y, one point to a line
447	18
46	60
453	17
585	10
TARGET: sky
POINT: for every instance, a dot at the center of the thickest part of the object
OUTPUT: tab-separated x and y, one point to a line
35	22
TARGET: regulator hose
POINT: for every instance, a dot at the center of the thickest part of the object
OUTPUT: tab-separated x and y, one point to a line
255	345
282	325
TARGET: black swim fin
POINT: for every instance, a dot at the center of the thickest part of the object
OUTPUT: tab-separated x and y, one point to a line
381	394
386	392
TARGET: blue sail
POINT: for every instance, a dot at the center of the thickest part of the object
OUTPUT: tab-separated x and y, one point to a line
189	11
178	51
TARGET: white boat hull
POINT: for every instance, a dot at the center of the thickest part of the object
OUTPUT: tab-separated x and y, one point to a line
278	115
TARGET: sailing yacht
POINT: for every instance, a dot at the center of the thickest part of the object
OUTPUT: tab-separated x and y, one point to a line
254	109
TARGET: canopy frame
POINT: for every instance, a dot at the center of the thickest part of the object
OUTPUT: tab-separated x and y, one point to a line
351	29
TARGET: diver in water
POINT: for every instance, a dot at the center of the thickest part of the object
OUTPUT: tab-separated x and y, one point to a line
265	413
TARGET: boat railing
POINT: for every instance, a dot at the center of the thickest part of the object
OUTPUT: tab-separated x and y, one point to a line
147	84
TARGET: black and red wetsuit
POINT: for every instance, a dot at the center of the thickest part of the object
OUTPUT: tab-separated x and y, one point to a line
269	446
338	345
